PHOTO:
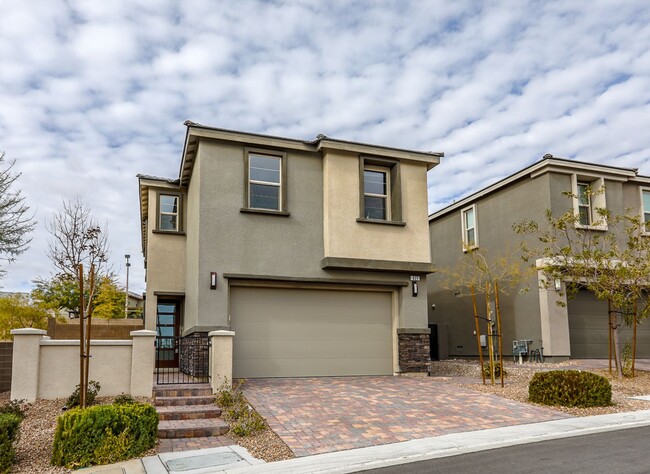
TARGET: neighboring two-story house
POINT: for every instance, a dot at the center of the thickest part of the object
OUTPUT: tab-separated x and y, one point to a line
315	253
576	329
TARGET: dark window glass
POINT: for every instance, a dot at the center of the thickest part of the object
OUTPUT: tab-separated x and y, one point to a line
264	168
265	197
374	182
374	207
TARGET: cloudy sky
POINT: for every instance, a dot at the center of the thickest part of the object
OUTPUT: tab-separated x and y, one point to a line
94	92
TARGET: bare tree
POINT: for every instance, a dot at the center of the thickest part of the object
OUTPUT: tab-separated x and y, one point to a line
15	220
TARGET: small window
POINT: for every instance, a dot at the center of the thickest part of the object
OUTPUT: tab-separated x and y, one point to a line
376	198
645	202
264	182
168	212
470	235
585	215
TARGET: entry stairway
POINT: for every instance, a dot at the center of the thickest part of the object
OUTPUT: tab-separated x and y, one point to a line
187	412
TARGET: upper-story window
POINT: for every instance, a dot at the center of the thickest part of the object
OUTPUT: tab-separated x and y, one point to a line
380	191
585	215
589	203
265	182
376	193
645	208
470	231
169	212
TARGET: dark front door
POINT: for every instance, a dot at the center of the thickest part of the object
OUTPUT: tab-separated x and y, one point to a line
433	342
167	323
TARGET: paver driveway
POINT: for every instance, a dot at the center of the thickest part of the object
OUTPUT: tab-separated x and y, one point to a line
319	415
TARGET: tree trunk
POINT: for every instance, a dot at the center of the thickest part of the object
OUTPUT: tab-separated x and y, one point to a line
617	347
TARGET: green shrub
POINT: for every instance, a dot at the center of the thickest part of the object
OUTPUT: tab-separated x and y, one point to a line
13	407
243	419
104	434
570	388
9	424
124	399
497	371
93	390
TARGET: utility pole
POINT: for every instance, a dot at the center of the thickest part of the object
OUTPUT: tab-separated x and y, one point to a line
126	299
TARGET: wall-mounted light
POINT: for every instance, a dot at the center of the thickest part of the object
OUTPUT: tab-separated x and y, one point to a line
558	284
213	280
414	284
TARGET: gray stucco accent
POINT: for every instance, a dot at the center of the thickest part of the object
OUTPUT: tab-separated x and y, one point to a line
413	331
336	263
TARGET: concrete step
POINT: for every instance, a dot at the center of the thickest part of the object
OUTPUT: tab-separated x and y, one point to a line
184	401
188	412
179	390
191	428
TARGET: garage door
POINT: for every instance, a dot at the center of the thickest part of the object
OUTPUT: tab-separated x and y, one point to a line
304	332
588	329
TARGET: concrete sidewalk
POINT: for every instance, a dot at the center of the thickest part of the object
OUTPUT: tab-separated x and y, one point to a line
361	459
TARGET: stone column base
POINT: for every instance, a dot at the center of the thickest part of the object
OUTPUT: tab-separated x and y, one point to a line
414	351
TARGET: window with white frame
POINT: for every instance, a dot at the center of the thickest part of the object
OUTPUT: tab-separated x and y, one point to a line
645	207
168	212
264	182
589	202
585	216
376	193
470	231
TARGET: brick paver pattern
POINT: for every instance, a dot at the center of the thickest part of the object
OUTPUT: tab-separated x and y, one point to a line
319	415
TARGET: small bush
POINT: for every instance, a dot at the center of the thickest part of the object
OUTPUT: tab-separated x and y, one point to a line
9	424
243	419
124	399
104	434
13	407
73	400
570	388
497	371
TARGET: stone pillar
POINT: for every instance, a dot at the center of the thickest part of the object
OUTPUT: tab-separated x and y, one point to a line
414	352
143	361
220	357
26	363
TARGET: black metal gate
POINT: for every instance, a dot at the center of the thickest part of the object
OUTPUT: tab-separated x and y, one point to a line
182	360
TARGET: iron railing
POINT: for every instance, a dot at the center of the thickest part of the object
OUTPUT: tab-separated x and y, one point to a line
182	360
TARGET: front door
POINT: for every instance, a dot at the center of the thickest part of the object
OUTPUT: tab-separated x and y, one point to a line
167	323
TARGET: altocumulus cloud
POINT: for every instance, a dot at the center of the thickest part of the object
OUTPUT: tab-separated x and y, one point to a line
92	93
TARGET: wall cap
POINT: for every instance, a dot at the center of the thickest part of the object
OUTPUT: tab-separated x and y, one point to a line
93	342
413	331
221	333
28	332
143	333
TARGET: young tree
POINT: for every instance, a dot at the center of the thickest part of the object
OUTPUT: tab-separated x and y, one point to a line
15	221
489	276
16	311
610	258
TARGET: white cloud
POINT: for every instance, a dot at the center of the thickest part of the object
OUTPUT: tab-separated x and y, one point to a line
92	93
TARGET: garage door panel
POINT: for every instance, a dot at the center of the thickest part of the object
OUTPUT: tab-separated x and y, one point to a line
287	332
588	329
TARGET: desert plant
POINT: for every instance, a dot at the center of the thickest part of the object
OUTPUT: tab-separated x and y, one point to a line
104	434
73	399
124	399
570	388
9	425
243	419
626	356
13	407
497	371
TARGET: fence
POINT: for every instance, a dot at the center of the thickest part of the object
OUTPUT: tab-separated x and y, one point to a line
6	351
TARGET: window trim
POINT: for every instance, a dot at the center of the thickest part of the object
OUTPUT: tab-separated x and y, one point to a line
465	229
597	200
393	188
386	197
282	156
642	210
179	213
588	206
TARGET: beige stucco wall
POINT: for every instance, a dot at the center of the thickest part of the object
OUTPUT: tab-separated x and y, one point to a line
347	238
165	259
49	369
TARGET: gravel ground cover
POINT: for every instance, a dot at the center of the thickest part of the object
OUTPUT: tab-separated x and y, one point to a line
34	447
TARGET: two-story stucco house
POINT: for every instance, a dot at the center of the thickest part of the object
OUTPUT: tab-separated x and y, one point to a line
578	328
310	251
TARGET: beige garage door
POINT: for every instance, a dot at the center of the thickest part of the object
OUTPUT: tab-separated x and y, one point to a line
304	332
588	329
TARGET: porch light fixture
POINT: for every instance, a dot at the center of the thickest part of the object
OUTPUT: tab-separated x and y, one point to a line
213	280
414	283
